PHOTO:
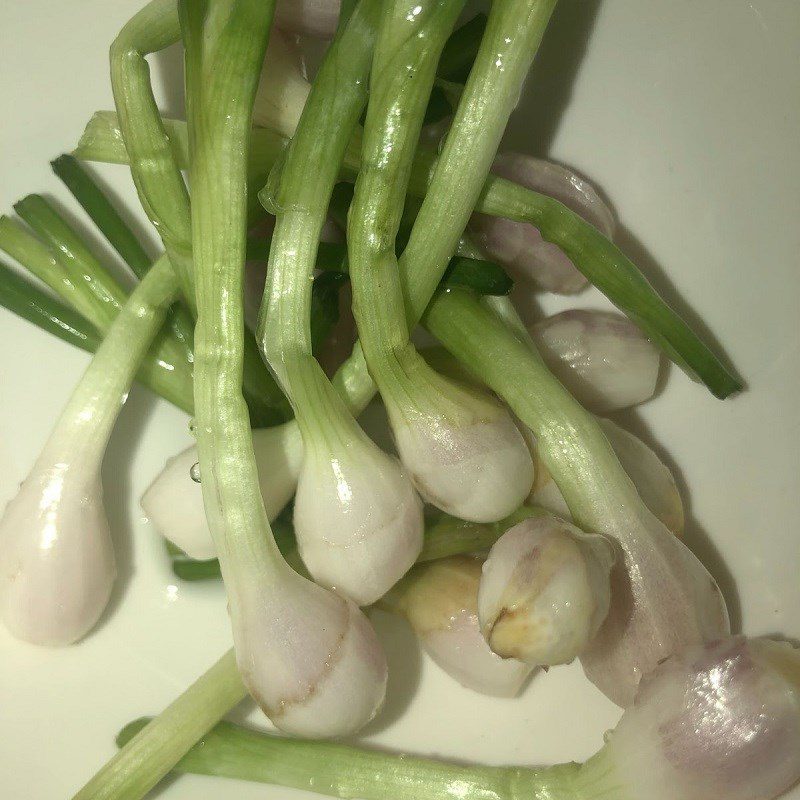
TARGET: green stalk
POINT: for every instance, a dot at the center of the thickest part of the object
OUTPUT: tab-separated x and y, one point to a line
298	192
170	381
224	50
607	267
71	251
25	300
119	235
403	69
102	213
344	771
96	402
169	353
157	175
149	755
513	33
39	260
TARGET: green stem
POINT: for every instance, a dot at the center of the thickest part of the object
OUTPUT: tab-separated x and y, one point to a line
346	772
68	248
468	272
102	213
149	755
403	70
298	192
39	260
512	37
25	300
119	235
155	173
170	381
607	267
89	416
224	50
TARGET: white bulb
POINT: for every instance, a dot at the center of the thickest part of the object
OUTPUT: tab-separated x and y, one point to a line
463	450
544	591
357	518
440	602
310	659
518	245
173	502
56	555
720	721
605	361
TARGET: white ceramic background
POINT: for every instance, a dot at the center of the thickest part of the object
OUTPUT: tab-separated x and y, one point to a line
687	115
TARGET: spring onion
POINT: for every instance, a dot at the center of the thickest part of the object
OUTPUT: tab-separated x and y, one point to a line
461	447
439	600
157	176
56	560
357	518
544	591
309	658
718	721
602	262
28	301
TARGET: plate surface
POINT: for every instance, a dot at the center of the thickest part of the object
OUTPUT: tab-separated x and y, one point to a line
687	116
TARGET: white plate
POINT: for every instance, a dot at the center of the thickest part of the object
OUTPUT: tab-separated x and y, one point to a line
687	115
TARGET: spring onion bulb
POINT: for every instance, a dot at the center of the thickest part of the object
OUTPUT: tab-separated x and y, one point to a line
439	600
308	17
357	517
715	722
544	591
309	658
283	88
173	502
56	555
605	360
652	478
461	448
662	598
519	245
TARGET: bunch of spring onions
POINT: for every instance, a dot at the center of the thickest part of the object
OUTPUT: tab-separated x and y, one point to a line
506	523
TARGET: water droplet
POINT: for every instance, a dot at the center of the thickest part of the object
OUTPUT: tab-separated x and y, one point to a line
194	472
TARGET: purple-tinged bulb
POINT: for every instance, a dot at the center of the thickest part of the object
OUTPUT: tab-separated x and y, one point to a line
715	722
518	245
604	360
